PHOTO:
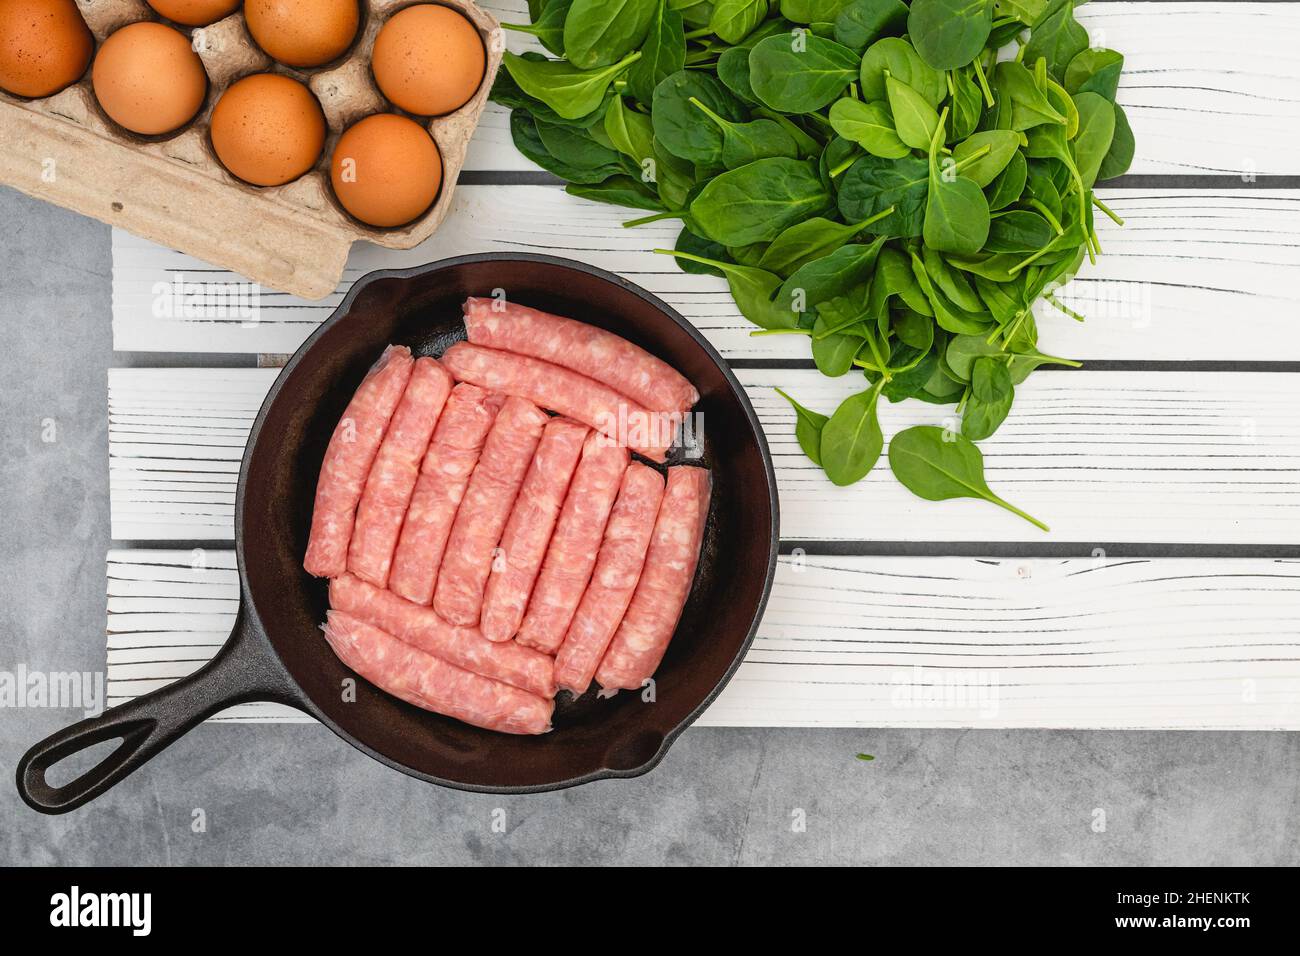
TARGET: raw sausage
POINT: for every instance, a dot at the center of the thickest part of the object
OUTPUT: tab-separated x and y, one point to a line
465	647
585	349
572	552
428	682
457	442
396	468
348	458
489	497
568	393
666	580
618	566
523	543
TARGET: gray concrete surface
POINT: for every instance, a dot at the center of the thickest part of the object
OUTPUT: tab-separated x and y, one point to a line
294	794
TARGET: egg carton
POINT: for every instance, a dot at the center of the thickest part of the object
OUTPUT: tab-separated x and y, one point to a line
173	190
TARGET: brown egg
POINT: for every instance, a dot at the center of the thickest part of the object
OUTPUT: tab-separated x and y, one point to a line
44	46
386	170
148	79
194	13
267	129
428	59
302	32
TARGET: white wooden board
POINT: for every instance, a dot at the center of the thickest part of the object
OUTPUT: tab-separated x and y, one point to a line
1154	456
1099	456
168	613
867	642
1184	261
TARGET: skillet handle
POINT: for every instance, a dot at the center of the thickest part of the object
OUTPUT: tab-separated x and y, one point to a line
245	669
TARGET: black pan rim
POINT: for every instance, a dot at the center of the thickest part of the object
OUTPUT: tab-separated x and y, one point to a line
342	312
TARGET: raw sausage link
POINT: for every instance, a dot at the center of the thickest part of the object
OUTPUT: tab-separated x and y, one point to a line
566	392
348	458
656	607
572	553
421	679
528	532
584	348
396	468
618	566
465	647
489	497
452	454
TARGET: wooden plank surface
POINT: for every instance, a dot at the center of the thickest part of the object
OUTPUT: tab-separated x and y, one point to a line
1184	260
871	642
1099	456
168	613
1150	455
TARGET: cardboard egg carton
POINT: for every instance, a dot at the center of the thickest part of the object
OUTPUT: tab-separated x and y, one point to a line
173	190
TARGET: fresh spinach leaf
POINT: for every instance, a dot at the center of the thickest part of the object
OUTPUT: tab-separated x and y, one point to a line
663	54
743	143
733	20
680	127
619	190
989	399
874	184
701	249
527	139
756	203
900	60
1122	148
949	33
1018	230
862	22
869	125
751	287
938	465
851	439
570	91
601	32
1095	70
800	73
1002	148
1057	37
807	428
915	120
547	25
805	241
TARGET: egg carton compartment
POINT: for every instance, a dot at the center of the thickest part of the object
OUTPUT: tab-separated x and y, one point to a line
173	190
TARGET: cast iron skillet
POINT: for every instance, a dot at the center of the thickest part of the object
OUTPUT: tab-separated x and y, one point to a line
276	651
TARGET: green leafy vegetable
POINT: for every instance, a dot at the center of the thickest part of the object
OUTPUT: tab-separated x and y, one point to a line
663	55
949	33
938	465
862	22
755	203
733	20
899	182
989	399
800	73
869	125
567	89
600	32
808	428
851	439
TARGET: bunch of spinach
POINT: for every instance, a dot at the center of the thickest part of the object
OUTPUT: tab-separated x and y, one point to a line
898	182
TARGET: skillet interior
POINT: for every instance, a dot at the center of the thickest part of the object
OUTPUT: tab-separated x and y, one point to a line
592	737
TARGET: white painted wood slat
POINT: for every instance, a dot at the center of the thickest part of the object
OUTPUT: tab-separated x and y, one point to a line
1208	87
896	642
1184	261
168	613
1099	456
